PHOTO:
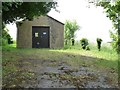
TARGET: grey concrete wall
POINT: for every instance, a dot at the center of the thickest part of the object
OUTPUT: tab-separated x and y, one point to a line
57	34
24	35
24	32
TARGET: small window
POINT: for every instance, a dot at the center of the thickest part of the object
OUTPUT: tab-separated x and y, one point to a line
36	34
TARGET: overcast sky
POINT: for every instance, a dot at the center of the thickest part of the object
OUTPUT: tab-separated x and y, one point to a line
93	21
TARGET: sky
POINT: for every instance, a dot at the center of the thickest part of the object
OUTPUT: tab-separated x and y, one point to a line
92	21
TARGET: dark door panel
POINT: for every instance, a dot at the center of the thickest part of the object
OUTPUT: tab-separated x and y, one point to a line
40	37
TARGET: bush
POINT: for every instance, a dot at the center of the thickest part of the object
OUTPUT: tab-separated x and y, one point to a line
87	47
10	41
84	42
99	41
4	42
114	37
66	47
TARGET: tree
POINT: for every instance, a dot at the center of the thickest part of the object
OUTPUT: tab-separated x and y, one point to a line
112	9
113	12
11	11
6	38
70	28
114	37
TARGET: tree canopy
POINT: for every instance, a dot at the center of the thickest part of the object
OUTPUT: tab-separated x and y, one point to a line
70	28
113	12
11	11
112	9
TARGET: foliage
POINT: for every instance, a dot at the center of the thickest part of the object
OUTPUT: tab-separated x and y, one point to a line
99	40
6	38
113	12
12	11
70	28
87	47
84	42
114	37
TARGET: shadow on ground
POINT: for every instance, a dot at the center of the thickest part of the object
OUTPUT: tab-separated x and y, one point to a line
52	69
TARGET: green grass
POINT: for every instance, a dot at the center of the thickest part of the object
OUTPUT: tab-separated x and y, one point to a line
73	55
105	60
106	51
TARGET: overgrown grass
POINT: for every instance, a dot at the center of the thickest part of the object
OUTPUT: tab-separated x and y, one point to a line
106	58
106	51
74	55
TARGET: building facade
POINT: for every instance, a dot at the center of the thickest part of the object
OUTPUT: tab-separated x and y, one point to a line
41	32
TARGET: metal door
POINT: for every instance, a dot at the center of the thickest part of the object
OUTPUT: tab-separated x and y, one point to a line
40	37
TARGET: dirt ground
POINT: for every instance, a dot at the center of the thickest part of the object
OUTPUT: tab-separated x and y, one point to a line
59	74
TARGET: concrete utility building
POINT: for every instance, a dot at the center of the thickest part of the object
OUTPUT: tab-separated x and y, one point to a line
42	32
